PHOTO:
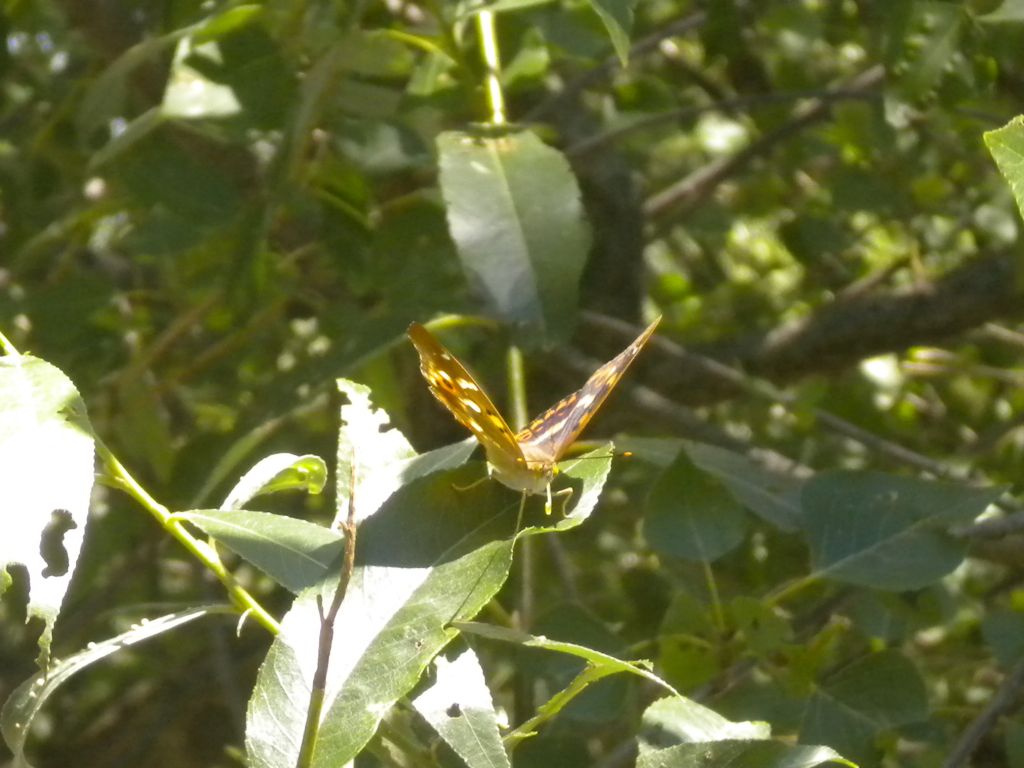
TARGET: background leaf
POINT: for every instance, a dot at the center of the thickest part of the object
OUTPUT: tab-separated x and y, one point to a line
515	214
690	515
887	532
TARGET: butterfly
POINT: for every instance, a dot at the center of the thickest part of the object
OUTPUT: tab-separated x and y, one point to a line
526	461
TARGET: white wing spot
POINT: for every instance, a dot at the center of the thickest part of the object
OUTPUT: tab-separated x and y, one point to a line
467	384
585	401
474	406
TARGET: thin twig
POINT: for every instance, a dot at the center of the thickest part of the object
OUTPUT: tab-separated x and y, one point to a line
318	689
765	391
610	64
592	143
699	184
1001	703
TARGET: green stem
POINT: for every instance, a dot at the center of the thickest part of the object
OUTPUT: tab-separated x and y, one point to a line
6	345
489	46
788	590
202	551
716	601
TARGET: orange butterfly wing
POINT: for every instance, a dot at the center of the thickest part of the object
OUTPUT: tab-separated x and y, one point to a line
548	436
458	391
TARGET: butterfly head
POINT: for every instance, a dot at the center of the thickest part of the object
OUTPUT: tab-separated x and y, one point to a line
520	473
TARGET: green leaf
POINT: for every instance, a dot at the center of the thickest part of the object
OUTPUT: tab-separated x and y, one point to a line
595	658
459	707
191	93
515	214
105	97
1010	10
1004	634
227	22
276	473
680	733
741	754
573	623
884	531
937	27
28	699
772	496
393	621
240	78
294	553
1006	146
617	17
677	720
879	692
690	515
376	453
47	457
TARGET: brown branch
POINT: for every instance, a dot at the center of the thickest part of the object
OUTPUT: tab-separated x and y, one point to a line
696	187
840	334
745	103
1002	701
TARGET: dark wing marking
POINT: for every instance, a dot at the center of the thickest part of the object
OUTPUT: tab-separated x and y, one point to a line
459	392
551	433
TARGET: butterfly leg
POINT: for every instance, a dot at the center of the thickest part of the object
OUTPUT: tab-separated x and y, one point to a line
565	493
519	518
474	484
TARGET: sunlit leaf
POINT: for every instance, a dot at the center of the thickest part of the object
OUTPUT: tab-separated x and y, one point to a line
515	214
294	553
459	707
279	472
46	454
1007	147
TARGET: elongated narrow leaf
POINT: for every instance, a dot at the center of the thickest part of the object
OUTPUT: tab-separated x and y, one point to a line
47	455
28	699
294	553
393	621
515	215
459	707
617	17
885	531
852	708
690	515
280	472
595	658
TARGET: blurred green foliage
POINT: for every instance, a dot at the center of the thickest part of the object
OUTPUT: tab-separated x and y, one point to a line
209	211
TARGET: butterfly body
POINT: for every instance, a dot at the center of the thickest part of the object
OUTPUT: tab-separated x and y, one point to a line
526	461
